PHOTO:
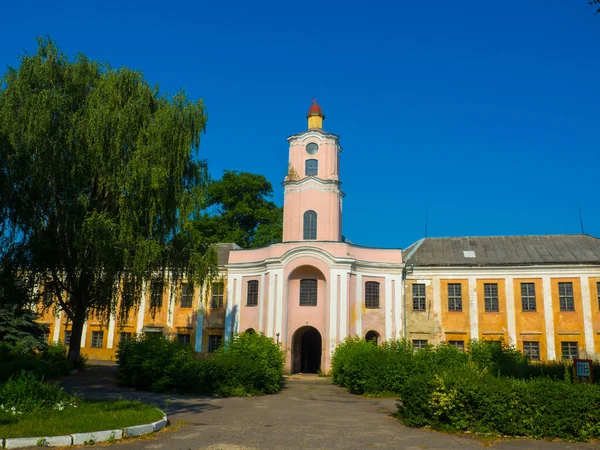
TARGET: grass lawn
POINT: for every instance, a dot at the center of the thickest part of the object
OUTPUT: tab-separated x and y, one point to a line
88	416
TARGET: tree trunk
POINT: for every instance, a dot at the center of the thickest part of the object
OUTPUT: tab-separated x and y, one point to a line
76	333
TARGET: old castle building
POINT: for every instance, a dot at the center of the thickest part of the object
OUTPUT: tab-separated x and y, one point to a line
311	291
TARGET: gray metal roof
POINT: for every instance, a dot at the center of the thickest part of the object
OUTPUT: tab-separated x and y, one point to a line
504	250
224	249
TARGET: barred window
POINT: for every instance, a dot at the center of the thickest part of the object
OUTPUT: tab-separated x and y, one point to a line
570	350
454	297
531	349
418	297
216	298
565	295
97	339
124	336
187	295
490	295
308	292
458	344
372	294
252	293
214	342
68	338
419	344
311	167
310	225
184	338
156	297
528	296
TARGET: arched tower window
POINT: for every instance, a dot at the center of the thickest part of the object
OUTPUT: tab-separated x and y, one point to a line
311	167
310	225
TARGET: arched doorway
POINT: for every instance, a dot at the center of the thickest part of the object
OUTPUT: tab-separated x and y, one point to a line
372	336
306	350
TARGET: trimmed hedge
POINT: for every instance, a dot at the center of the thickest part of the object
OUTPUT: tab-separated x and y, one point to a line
447	389
250	364
49	362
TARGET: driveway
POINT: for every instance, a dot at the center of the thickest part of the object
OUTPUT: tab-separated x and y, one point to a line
310	413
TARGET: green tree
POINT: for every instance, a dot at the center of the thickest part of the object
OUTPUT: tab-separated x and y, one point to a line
595	2
238	210
98	183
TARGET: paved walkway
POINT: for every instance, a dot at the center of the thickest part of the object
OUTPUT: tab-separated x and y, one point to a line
310	413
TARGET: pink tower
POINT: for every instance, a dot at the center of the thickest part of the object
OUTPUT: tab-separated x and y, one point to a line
312	206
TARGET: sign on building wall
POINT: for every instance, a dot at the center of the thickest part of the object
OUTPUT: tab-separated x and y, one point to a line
583	370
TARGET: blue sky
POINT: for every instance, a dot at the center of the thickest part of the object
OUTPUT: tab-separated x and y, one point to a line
485	113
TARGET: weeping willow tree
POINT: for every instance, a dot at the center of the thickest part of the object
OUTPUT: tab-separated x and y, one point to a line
99	180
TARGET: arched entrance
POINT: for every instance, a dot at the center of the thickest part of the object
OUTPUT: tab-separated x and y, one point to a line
306	350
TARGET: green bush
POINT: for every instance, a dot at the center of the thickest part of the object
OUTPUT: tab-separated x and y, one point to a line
25	393
250	364
49	362
491	388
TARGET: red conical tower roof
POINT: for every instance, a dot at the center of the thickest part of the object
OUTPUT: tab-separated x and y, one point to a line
315	110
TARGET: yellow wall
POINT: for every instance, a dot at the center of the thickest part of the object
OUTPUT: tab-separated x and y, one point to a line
530	325
568	325
492	322
456	325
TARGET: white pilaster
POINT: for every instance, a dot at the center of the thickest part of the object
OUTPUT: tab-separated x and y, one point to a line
398	305
280	309
548	317
56	333
171	307
359	309
84	333
261	303
343	305
271	306
237	302
111	331
510	310
473	310
388	307
333	310
586	307
437	305
141	309
229	309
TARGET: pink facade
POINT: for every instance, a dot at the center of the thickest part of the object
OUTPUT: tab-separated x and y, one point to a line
314	290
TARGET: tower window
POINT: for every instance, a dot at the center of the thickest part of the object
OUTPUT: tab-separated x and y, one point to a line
252	294
372	294
311	167
308	292
310	225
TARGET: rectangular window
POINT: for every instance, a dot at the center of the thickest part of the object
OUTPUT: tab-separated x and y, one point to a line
454	297
565	296
532	350
419	344
183	339
156	297
528	296
252	293
490	295
372	294
48	293
308	292
458	344
418	297
97	339
187	295
68	338
128	293
214	342
216	299
124	336
570	350
598	293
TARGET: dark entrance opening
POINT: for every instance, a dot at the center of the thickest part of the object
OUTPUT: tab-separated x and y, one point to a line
306	350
